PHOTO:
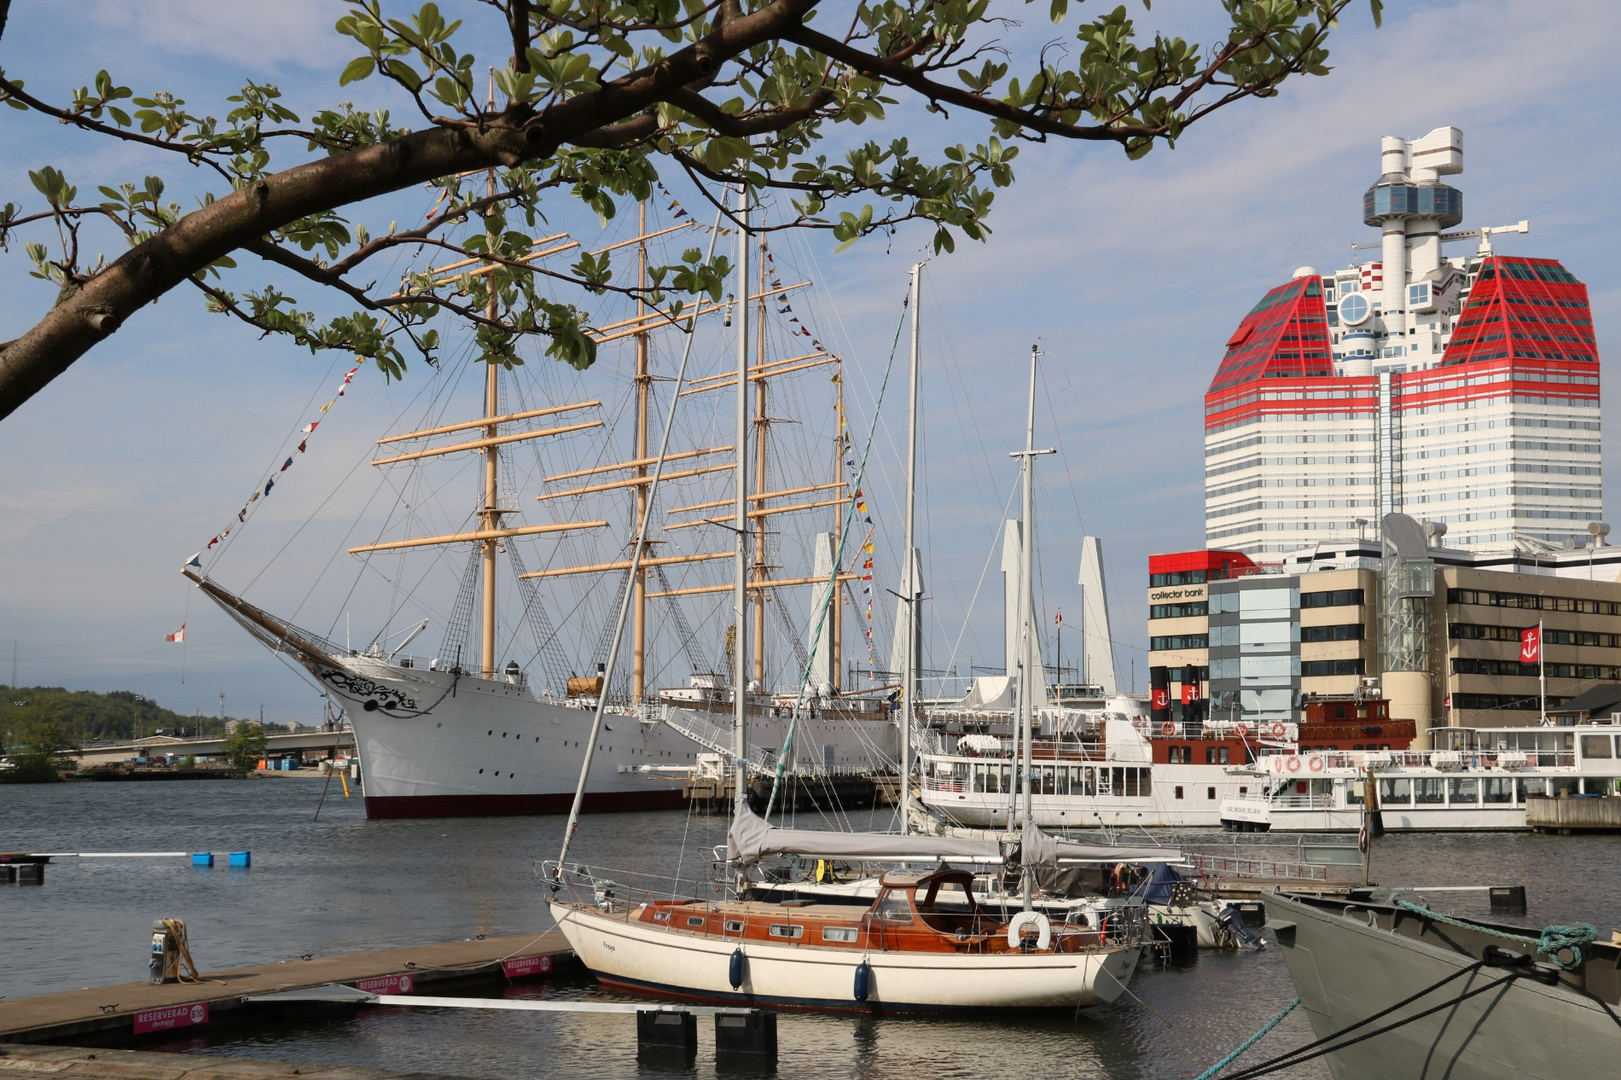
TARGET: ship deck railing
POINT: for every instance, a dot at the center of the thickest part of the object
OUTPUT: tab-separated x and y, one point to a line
1227	866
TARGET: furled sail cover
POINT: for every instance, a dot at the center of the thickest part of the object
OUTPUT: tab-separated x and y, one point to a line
752	839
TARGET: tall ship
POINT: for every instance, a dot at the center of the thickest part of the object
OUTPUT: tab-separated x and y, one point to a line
469	729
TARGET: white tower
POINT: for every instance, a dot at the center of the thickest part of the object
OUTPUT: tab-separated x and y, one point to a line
1099	643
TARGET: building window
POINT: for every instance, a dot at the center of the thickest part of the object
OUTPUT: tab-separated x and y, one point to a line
1318	668
1179	641
1332	598
1341	632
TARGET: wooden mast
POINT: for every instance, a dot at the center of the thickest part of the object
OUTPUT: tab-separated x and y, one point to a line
638	632
835	609
760	425
490	515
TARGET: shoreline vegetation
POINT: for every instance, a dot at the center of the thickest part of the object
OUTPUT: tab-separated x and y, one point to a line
42	728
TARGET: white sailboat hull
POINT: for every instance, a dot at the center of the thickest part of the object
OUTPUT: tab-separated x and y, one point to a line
648	959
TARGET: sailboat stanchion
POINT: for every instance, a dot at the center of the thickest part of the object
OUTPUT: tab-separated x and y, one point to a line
624	603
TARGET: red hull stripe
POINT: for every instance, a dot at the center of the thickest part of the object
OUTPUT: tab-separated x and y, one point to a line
431	806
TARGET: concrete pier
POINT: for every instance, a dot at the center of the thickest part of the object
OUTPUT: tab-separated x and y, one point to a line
125	1012
83	1063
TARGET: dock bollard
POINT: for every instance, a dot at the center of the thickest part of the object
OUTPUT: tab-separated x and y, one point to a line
667	1031
752	1032
1507	899
163	965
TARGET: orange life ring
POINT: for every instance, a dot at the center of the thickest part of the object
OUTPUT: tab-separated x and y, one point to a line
1277	763
1241	730
1277	731
1294	764
1314	763
1167	728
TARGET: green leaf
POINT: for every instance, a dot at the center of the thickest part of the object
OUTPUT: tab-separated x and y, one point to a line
359	68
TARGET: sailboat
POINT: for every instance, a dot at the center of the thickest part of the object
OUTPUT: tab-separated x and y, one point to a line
924	944
457	736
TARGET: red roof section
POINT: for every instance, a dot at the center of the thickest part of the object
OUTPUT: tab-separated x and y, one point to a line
1220	563
1529	309
1284	336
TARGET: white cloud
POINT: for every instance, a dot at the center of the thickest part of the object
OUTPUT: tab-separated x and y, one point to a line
252	33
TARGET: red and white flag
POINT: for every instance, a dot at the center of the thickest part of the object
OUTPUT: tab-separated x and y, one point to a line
1058	617
1531	645
178	635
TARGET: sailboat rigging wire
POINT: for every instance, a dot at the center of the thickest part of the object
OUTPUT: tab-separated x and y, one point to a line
635	565
838	555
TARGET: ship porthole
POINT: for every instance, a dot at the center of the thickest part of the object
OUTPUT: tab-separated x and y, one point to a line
370	706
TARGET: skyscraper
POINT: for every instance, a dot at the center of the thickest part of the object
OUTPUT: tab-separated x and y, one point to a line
1462	390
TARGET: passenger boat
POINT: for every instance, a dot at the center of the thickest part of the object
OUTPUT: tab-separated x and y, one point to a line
1418	994
1115	768
1479	778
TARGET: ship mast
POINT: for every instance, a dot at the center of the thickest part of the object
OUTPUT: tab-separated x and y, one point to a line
914	595
490	514
740	530
761	424
638	654
1030	674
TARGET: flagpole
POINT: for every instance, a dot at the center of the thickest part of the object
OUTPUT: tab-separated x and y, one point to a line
1542	671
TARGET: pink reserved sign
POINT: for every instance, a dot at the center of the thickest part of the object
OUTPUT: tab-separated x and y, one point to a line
386	984
527	965
175	1016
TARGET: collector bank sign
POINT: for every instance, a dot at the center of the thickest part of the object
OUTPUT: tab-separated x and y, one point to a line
1173	594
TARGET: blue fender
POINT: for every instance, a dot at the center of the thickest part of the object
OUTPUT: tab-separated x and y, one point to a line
735	972
863	981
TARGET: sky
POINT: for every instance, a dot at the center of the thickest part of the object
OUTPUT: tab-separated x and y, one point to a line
1129	276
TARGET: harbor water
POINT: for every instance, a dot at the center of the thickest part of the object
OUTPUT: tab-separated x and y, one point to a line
345	884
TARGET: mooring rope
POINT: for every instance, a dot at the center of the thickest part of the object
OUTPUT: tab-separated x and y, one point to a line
1249	1042
1553	941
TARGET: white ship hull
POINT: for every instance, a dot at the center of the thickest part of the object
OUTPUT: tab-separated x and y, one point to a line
649	959
436	744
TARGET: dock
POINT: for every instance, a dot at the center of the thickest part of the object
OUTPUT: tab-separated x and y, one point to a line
835	791
119	1014
1570	815
84	1063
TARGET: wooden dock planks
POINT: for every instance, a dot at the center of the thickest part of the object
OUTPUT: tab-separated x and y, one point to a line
113	1009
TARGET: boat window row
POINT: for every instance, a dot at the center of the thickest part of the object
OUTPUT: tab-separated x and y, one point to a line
1189	755
1083	780
1480	790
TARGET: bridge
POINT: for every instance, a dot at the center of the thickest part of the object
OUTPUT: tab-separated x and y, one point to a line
276	745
